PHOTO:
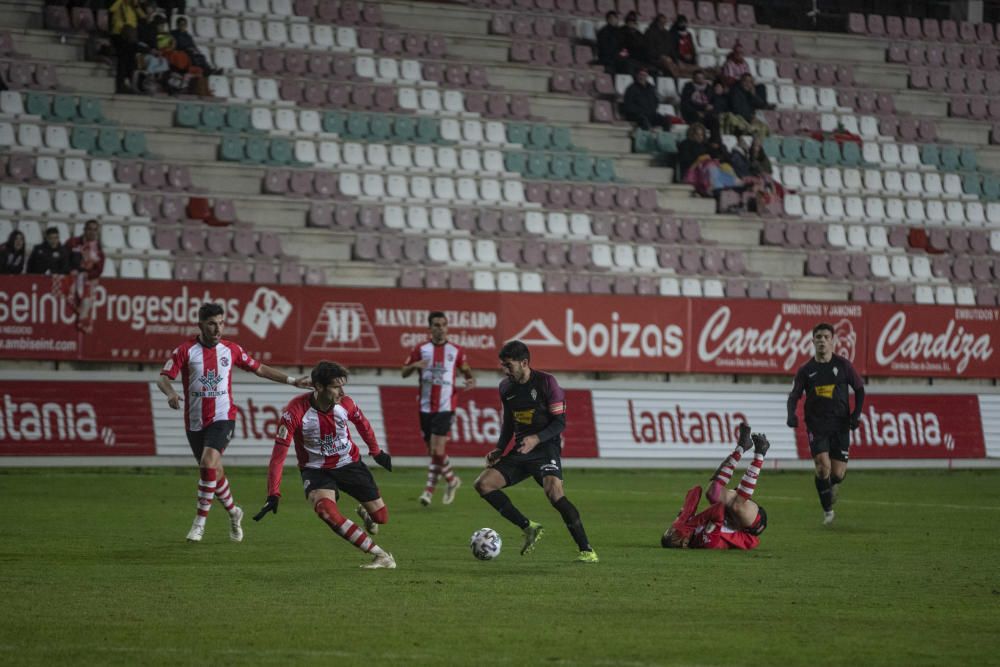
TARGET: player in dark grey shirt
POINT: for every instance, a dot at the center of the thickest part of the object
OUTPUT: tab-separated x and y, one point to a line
534	415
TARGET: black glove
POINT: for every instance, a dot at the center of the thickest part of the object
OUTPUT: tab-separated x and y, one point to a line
854	422
793	421
384	460
270	506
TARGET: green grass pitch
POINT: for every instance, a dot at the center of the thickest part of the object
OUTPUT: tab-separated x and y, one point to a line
94	569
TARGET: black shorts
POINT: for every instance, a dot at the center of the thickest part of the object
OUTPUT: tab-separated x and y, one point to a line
543	461
216	435
435	423
354	479
836	443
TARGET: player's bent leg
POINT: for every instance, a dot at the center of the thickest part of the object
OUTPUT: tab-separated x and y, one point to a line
571	517
207	480
823	486
838	471
326	509
488	485
440	443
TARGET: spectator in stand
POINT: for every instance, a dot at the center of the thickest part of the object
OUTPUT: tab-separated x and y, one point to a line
657	44
49	257
704	163
86	264
184	42
12	254
633	46
682	58
609	42
125	16
697	103
172	7
694	146
743	105
640	105
734	67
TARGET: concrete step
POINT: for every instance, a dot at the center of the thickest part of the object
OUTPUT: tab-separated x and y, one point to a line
20	16
361	274
923	103
479	50
427	16
776	262
839	48
515	78
963	131
732	230
882	76
562	110
607	139
683	200
818	289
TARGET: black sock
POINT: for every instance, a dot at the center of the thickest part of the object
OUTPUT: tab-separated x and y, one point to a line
571	517
825	492
501	503
834	480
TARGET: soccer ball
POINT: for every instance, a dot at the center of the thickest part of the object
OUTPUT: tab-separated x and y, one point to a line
485	544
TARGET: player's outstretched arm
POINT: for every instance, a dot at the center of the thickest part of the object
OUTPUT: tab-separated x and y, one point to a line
275	375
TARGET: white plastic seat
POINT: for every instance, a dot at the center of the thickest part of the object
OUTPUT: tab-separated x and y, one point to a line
951	185
868	127
558	224
253	30
923	295
112	237
467	190
322	37
243	88
446	189
102	172
767	69
131	268
329	153
600	256
219	86
397	186
890	155
791	176
486	251
871	152
579	225
691	287
912	183
159	269
495	132
267	90
56	138
852	180
67	203
229	29
490	190
453	102
812	179
915	213
447	158
261	119
707	39
276	33
393	217
669	286
836	236
438	250
300	35
364	67
954	212
353	154
995	240
880	266
407	99
110	268
282	8
7	137
203	28
120	204
373	185
944	295
933	185
807	98
965	296
934	211
484	281
11	103
531	281
895	211
417	218
813	205
305	151
430	100
377	156
892	182
878	237
921	267
833	207
286	120
472	130
513	192
349	184
47	169
388	69
828	122
39	200
624	257
139	238
793	205
713	289
461	251
900	267
646	258
857	237
347	38
832	180
974	214
993	213
441	219
826	98
909	156
787	96
10	198
854	208
534	223
493	161
875	209
420	188
409	71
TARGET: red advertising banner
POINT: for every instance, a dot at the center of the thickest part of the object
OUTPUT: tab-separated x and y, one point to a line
477	423
601	333
75	419
750	336
144	320
933	341
913	426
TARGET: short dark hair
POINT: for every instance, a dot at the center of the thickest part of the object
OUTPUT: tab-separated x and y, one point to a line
607	17
326	372
515	350
209	310
760	523
51	230
433	315
821	327
92	220
631	16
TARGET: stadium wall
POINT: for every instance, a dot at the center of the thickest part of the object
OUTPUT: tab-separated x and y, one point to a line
112	419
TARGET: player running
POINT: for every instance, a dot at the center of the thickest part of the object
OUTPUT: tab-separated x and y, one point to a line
205	365
733	521
534	414
329	460
437	360
829	420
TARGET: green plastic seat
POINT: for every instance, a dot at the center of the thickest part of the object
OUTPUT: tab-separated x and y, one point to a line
515	161
812	151
213	118
967	158
404	128
791	149
280	153
84	139
949	158
188	115
37	104
231	149
517	133
991	187
561	140
972	185
540	137
643	142
561	167
134	143
428	130
89	110
238	118
604	169
666	142
109	142
356	126
538	165
380	128
583	167
831	153
772	146
930	155
256	150
64	108
333	122
850	154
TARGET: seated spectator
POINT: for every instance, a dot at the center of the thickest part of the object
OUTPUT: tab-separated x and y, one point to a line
49	257
743	105
705	164
183	41
697	103
125	16
633	54
734	67
657	44
753	166
609	43
12	254
682	58
84	252
640	105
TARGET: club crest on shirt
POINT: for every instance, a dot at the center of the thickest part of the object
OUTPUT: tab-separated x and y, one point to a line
325	445
450	357
282	432
224	362
534	395
835	371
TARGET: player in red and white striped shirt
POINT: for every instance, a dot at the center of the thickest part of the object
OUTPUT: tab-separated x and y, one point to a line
733	520
205	365
438	361
330	461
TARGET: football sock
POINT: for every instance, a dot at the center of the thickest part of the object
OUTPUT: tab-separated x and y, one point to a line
571	517
749	481
381	515
446	471
825	492
501	503
206	493
722	476
225	495
834	480
433	472
327	510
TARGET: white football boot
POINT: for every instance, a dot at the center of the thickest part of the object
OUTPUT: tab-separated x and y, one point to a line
235	525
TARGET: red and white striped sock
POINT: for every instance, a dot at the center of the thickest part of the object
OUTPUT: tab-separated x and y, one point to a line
224	494
725	471
206	493
433	473
350	531
449	475
749	482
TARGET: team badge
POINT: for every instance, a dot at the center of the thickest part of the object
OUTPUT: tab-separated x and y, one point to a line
835	371
534	395
224	362
282	432
169	365
450	357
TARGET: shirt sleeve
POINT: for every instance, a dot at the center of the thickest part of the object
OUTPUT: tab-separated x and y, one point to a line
461	361
506	426
361	423
798	387
242	359
286	431
174	364
858	385
556	397
413	356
